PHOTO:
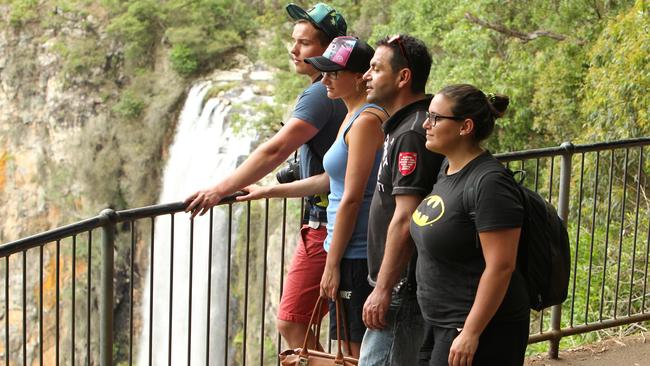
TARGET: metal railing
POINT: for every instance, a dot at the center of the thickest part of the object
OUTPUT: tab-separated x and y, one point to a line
55	312
626	171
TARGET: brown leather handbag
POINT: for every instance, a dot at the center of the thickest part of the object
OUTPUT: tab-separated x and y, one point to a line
311	357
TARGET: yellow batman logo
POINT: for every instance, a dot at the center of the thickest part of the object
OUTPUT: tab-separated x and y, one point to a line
433	209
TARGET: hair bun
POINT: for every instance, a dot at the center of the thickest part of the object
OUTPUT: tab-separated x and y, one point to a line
498	104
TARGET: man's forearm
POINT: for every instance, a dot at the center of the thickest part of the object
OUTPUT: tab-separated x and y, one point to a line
397	253
260	163
399	245
301	188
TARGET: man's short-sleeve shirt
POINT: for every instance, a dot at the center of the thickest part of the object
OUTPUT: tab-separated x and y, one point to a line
314	107
407	168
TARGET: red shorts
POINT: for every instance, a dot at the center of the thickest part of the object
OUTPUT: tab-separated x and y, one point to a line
302	284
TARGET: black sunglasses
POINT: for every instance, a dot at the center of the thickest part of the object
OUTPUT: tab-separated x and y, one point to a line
398	39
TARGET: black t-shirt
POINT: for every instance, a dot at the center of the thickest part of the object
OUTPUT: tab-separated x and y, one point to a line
407	167
450	259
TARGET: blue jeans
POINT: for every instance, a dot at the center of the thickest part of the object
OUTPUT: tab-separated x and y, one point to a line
399	342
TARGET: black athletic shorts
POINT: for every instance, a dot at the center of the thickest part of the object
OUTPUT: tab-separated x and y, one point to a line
354	290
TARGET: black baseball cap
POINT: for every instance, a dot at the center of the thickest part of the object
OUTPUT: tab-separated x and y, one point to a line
322	16
344	53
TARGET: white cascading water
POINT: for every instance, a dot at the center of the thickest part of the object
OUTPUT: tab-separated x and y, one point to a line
204	148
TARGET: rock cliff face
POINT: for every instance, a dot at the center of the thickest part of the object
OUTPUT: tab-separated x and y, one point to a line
37	120
61	160
62	145
43	113
65	154
41	116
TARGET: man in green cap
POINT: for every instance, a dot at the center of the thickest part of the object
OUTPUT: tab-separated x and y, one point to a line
313	127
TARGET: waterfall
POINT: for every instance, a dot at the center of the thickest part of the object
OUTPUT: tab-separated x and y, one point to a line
203	149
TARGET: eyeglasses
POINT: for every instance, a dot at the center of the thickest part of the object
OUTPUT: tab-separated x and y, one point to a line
434	118
333	75
398	39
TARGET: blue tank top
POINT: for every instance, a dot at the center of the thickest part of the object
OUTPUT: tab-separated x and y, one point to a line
335	163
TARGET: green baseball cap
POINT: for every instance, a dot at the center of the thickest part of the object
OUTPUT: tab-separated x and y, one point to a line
322	16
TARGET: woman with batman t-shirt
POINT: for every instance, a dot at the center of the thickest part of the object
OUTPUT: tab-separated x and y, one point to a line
470	292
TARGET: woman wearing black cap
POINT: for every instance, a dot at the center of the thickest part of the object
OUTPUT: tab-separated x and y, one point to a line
351	166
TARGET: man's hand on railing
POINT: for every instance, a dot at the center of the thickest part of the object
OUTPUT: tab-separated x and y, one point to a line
202	201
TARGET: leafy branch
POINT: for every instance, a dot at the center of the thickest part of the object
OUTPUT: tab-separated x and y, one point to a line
523	36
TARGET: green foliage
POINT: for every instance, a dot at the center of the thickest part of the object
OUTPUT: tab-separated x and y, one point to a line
276	53
130	105
547	79
139	28
265	123
217	89
607	230
81	56
100	166
617	83
183	60
201	33
22	12
561	72
206	30
593	80
557	87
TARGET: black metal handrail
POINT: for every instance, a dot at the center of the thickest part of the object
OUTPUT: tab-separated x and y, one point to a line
569	148
36	240
96	222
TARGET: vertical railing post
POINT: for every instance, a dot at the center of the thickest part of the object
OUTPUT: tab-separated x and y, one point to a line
563	211
106	297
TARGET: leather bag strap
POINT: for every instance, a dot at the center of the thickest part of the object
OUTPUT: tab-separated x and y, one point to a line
339	352
315	325
344	320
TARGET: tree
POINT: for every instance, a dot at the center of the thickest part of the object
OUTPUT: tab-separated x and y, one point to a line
616	100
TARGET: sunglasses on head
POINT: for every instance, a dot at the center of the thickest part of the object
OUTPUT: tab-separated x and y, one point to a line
398	39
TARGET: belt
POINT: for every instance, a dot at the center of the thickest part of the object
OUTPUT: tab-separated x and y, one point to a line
315	224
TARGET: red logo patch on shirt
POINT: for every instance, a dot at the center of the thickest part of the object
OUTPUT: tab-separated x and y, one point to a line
407	162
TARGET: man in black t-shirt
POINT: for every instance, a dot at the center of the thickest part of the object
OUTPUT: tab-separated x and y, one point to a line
396	81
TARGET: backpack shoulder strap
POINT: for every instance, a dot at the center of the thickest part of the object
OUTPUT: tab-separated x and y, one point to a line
471	187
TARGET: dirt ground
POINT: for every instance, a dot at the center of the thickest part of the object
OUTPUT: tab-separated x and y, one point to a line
628	351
